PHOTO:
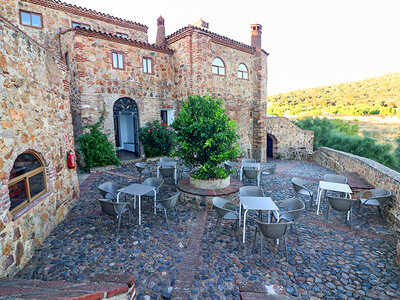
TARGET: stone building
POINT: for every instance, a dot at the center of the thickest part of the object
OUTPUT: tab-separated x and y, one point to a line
62	64
36	187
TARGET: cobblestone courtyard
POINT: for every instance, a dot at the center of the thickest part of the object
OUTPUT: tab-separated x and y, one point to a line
198	261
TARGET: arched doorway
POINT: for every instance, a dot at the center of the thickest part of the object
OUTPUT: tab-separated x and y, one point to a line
126	126
271	146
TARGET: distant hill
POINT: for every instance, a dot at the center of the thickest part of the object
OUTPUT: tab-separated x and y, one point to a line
379	95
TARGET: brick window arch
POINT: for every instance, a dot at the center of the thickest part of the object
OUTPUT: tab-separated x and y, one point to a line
218	67
27	181
243	72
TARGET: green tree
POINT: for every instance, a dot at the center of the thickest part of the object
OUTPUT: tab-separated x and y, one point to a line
95	148
206	136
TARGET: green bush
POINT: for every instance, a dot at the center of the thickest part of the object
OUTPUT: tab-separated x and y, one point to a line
206	136
95	148
157	139
341	135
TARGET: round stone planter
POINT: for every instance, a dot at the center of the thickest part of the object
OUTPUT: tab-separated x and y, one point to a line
210	184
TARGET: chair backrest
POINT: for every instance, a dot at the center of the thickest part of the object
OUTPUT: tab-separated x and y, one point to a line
112	208
335	178
381	195
248	160
167	171
251	191
273	230
109	187
298	184
170	202
251	174
270	169
140	166
165	159
228	165
154	182
222	208
294	206
340	204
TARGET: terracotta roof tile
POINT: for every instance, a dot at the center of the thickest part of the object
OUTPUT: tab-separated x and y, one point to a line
118	39
59	5
215	37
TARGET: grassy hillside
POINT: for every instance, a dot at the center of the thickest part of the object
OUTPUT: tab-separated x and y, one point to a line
379	96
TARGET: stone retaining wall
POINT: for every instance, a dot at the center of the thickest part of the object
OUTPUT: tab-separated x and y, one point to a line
375	173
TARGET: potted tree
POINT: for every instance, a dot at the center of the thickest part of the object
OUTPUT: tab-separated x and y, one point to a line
206	137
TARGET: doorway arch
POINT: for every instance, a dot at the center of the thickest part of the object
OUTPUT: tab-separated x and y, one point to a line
126	125
271	146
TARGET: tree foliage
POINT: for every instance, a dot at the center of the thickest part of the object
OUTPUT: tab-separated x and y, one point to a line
374	96
157	139
95	148
338	135
206	136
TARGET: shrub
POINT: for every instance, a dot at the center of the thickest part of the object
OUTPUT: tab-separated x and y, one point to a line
157	139
206	136
95	148
341	135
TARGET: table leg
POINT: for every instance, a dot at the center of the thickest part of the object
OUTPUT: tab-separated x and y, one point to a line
134	201
319	199
244	225
155	201
118	196
175	175
240	211
241	173
158	171
140	211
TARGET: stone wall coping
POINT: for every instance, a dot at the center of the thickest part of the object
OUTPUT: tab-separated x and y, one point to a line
373	164
89	13
184	185
117	39
216	38
101	287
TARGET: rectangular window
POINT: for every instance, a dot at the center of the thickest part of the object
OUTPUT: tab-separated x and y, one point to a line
147	65
118	60
167	116
123	35
30	19
75	24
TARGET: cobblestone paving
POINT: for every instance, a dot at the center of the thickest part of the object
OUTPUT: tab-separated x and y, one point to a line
326	261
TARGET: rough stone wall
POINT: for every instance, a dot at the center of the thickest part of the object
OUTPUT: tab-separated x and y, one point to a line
375	173
287	135
53	20
35	116
193	58
97	83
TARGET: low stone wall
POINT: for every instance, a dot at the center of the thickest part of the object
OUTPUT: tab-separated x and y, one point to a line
375	173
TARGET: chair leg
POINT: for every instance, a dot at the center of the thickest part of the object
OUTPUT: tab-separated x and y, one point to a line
329	212
284	240
217	223
351	218
119	224
166	217
177	216
261	246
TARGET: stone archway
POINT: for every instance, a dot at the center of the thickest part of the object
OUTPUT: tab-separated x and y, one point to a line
126	125
272	145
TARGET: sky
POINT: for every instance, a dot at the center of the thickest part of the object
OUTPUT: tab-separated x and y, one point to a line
311	42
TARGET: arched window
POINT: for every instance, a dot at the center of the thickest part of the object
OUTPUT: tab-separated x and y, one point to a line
218	66
27	181
242	72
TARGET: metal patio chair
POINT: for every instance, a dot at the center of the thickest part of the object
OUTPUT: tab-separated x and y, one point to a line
295	207
336	179
342	205
140	167
225	210
109	190
168	204
375	197
114	209
168	172
269	170
252	174
300	188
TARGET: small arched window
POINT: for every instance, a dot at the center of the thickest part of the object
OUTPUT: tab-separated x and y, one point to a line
27	181
243	73
218	67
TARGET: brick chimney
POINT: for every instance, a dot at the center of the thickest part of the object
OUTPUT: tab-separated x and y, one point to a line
160	40
256	35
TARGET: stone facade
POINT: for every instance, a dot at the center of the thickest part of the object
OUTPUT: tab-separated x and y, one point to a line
283	135
375	173
181	67
35	117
